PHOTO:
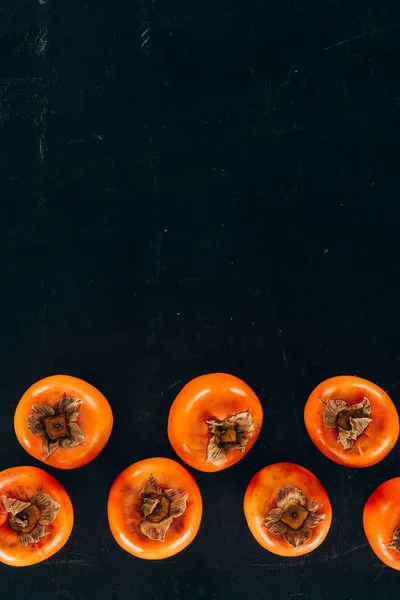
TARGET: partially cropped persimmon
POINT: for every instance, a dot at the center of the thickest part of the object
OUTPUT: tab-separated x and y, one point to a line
381	520
352	421
287	509
154	508
63	421
36	516
214	421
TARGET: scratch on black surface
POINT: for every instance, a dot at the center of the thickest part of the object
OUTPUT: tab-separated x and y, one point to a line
174	384
154	324
41	45
301	563
17	80
378	577
346	552
352	39
176	589
145	34
358	37
283	350
70	561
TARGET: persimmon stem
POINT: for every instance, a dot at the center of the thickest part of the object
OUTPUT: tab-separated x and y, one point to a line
160	506
343	418
155	507
29	519
57	425
25	520
228	434
294	517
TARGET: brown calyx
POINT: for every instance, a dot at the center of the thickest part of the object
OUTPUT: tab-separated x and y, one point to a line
344	416
155	507
350	420
56	427
29	519
25	520
225	432
160	506
228	434
294	516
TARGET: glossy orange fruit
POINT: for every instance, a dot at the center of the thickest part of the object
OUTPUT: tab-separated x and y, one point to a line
352	421
63	421
287	509
214	421
36	516
154	508
381	520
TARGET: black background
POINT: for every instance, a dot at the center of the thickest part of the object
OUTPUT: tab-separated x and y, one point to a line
191	187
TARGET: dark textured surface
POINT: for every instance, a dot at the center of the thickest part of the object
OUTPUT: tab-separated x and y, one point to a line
190	187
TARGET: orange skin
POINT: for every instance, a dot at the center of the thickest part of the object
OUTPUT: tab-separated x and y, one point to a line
381	517
372	445
260	498
95	418
23	483
214	396
124	509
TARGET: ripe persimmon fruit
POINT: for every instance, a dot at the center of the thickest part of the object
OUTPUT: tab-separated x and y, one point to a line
287	509
36	516
154	508
214	421
63	421
352	421
381	520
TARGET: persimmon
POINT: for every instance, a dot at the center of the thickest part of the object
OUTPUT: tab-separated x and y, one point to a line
214	421
154	508
36	516
352	421
63	421
287	509
381	520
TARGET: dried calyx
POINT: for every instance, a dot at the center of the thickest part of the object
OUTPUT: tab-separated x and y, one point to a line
160	506
351	420
395	543
29	519
228	434
57	425
295	516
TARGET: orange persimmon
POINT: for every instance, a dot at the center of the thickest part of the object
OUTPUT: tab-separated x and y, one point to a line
63	421
352	421
36	516
214	421
381	520
154	508
287	509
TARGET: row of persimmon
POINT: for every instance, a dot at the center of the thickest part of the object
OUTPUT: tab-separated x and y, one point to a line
155	505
